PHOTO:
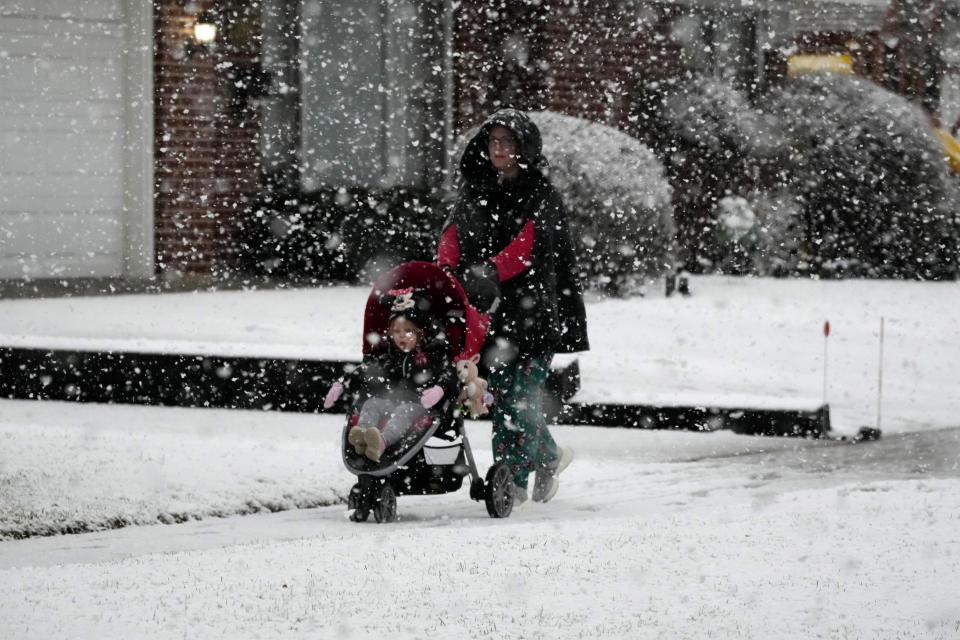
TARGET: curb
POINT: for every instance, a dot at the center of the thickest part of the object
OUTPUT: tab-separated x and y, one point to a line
300	386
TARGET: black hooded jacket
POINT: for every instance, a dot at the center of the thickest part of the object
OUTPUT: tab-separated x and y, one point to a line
515	233
387	372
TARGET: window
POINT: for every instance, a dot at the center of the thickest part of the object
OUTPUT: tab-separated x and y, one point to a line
364	72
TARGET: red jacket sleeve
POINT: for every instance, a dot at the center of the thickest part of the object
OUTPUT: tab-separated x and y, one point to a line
448	251
515	258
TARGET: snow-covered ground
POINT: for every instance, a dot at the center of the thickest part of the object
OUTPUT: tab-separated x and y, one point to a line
654	534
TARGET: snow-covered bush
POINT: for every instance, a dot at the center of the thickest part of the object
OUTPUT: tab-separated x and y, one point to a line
339	233
619	201
712	116
715	146
870	177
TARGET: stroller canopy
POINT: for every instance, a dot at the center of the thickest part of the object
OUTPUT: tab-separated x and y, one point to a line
465	327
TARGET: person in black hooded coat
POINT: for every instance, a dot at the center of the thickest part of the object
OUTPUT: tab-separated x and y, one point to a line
508	241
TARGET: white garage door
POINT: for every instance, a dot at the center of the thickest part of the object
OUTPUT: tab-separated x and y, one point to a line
75	139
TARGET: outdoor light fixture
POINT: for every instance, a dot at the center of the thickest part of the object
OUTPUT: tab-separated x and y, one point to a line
204	35
204	30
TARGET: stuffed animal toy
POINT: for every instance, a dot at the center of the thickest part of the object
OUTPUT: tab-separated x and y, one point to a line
473	393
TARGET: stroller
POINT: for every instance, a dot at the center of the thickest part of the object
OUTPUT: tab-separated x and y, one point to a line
435	458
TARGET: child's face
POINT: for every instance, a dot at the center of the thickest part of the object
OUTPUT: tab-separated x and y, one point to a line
404	334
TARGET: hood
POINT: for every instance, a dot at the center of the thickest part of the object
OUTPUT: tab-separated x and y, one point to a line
475	164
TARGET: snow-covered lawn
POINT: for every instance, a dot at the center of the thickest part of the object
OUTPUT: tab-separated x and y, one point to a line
69	468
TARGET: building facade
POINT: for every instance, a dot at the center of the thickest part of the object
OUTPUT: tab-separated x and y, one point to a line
76	124
131	150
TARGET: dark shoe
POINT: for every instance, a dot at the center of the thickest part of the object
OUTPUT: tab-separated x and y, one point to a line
545	487
520	497
546	483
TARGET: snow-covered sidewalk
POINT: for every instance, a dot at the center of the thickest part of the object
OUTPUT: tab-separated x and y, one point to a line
68	468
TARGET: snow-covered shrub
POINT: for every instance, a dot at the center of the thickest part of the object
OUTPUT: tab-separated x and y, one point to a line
618	197
715	145
389	227
876	196
295	235
712	116
347	234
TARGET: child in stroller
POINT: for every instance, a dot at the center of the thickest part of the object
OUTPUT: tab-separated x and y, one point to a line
406	458
401	379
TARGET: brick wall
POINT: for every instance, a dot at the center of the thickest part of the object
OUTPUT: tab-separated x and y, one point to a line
207	160
598	50
585	56
473	63
582	57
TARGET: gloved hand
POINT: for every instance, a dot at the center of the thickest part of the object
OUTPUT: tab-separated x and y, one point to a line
431	396
486	270
480	283
336	389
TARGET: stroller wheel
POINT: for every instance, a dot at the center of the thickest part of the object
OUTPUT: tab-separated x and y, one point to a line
499	491
477	490
360	515
385	504
359	500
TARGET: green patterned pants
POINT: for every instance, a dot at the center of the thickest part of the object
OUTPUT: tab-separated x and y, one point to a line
520	434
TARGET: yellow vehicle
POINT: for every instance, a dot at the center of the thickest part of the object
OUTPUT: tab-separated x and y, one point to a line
951	147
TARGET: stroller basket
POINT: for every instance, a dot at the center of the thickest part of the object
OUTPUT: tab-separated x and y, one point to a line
445	454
